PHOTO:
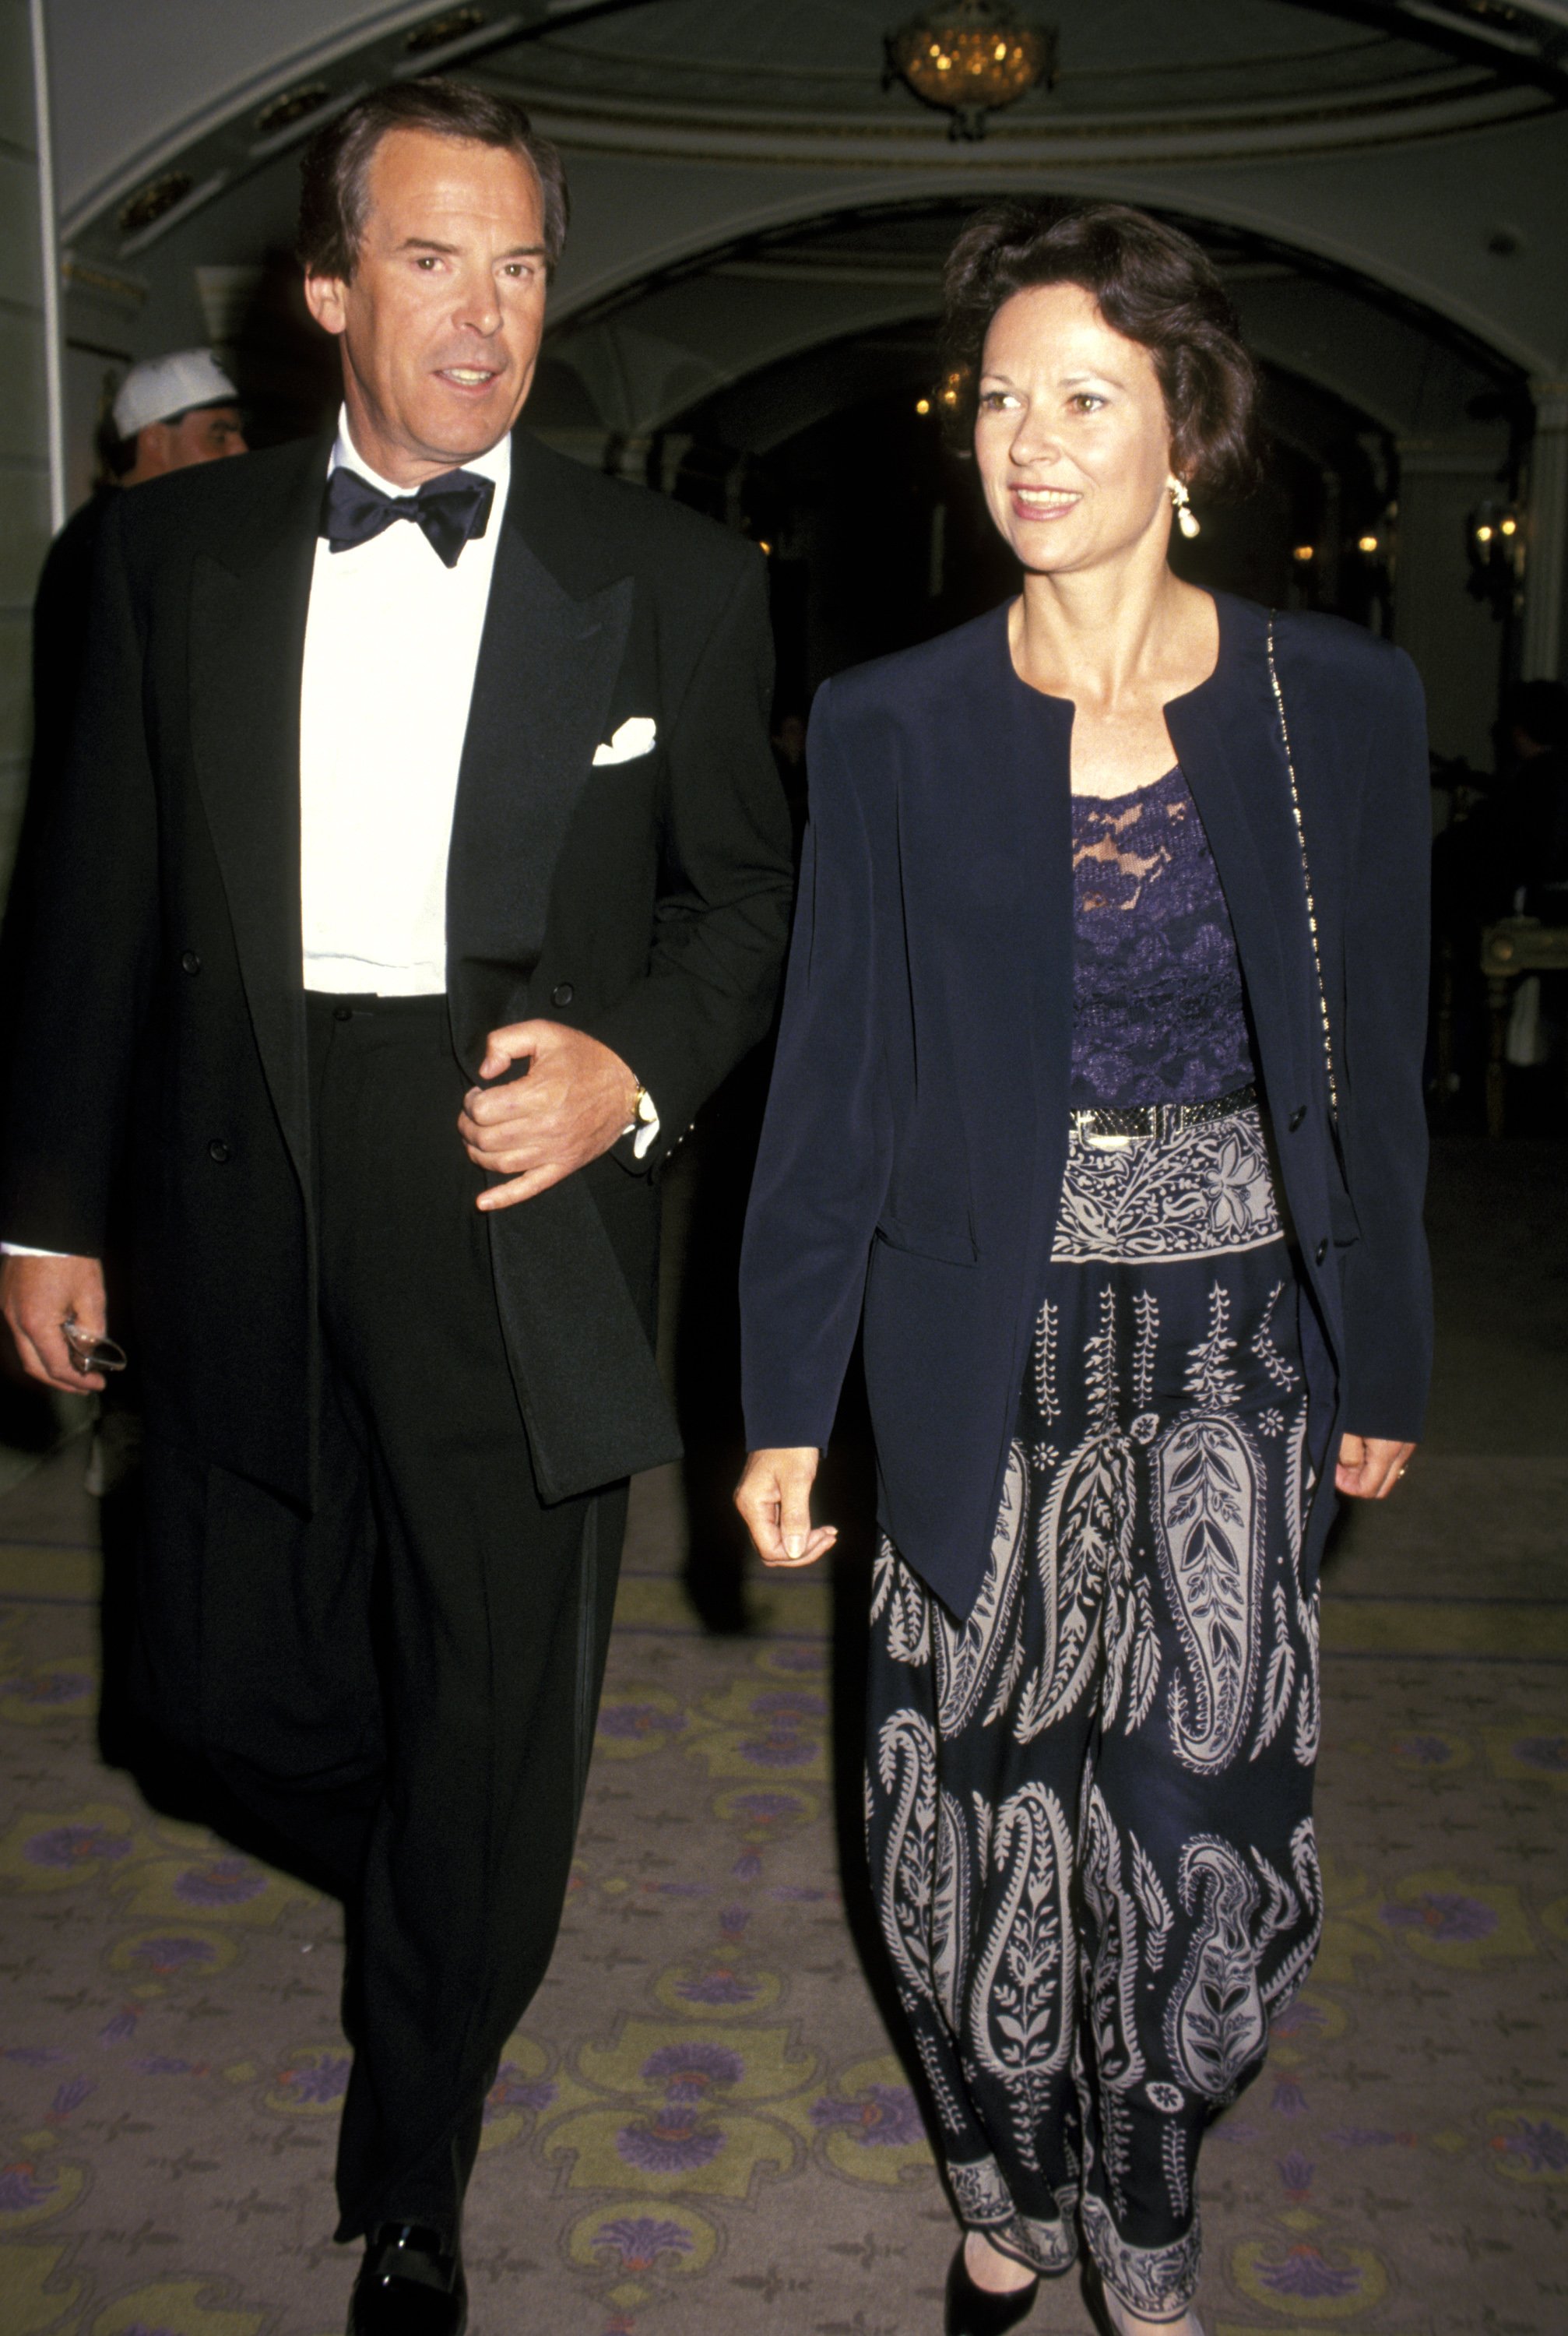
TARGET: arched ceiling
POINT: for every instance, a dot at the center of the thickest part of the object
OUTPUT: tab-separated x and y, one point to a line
682	72
1417	145
139	88
650	356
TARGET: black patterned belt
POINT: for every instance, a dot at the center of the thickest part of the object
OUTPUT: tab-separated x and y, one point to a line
1108	1129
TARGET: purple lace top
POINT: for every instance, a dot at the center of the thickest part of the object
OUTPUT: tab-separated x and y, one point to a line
1158	1014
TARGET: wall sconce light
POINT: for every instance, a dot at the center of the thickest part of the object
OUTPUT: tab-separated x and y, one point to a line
1495	543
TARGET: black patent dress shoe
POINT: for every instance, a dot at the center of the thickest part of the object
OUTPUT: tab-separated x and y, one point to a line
407	2286
975	2310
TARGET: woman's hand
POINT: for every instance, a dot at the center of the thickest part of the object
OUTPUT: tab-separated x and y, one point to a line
773	1496
1369	1466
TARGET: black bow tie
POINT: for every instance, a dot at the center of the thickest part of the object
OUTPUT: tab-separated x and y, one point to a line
450	509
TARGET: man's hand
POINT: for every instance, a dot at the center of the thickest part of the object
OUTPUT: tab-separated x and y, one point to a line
1369	1466
575	1101
773	1496
37	1294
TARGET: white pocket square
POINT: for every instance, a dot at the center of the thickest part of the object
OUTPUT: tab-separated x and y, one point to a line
635	737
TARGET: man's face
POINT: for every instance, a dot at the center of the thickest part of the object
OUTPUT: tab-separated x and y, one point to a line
440	323
205	435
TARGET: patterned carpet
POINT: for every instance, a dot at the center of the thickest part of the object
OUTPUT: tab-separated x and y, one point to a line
703	2126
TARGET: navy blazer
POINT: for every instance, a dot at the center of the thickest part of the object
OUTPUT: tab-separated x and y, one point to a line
912	1155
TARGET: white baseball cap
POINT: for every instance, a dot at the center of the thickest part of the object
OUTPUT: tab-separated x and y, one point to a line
161	386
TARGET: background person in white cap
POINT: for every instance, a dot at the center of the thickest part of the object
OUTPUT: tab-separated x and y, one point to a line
169	412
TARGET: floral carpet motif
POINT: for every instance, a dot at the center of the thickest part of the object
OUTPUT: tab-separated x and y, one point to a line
703	2127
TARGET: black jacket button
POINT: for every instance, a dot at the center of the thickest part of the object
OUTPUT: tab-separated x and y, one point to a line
1321	1252
1296	1116
218	1150
343	1013
562	994
191	962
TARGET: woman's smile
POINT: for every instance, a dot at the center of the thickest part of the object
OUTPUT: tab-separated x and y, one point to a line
1043	503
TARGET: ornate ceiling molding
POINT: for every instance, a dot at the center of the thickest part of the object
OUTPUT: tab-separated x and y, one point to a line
572	89
1433	105
277	105
1530	34
617	97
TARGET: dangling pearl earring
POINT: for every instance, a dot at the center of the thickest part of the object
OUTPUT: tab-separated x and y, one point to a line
1186	516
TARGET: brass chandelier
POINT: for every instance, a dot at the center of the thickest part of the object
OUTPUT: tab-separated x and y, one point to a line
971	57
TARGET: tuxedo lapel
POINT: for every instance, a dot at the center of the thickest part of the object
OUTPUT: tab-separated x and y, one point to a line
541	696
555	636
246	630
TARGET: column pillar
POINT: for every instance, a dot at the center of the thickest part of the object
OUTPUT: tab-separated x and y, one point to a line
1543	645
29	383
1455	639
673	446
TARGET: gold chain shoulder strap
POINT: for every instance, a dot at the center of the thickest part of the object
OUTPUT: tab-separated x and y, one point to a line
1305	877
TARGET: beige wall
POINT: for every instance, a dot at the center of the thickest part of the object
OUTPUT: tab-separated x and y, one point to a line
24	438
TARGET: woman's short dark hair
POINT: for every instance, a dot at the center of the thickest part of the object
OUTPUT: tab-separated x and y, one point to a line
1151	283
336	164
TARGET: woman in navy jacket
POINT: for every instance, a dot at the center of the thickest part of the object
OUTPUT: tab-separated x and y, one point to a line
1097	1099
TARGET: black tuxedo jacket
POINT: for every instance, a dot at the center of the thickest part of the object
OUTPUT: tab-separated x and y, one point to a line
912	1156
161	1023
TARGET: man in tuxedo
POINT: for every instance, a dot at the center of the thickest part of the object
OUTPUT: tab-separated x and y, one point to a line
408	763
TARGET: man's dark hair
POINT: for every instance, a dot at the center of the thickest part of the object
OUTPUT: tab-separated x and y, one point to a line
116	455
336	163
1151	283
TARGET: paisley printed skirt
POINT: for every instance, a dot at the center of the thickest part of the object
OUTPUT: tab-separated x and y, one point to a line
1089	1803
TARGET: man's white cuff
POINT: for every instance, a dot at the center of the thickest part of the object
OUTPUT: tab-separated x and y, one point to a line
645	1126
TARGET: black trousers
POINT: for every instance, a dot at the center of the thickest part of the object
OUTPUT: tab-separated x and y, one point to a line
403	1685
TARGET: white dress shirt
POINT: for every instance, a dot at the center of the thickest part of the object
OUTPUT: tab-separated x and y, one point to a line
391	645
